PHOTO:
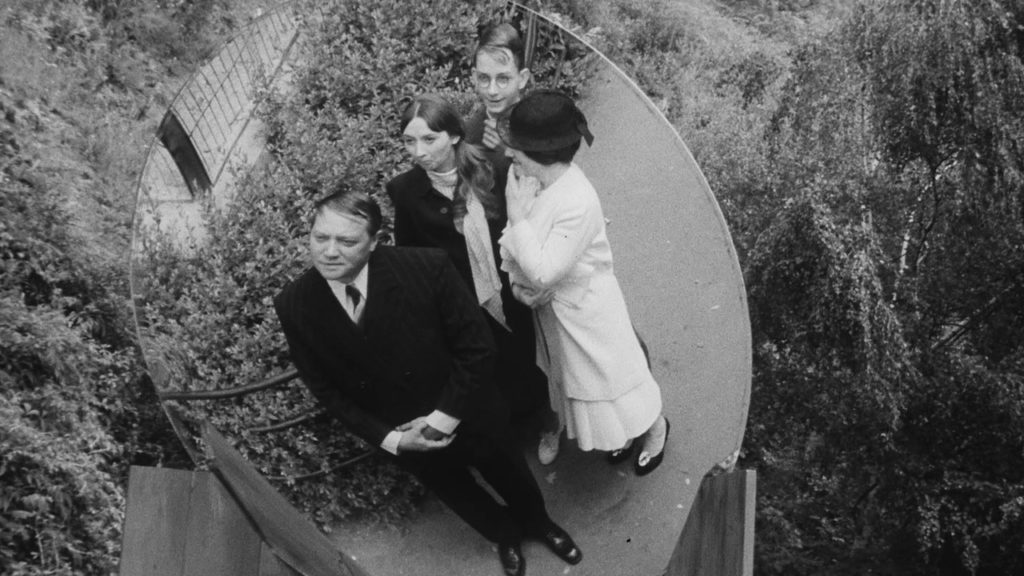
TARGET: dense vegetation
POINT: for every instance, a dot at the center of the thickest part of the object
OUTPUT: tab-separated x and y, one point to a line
82	85
868	159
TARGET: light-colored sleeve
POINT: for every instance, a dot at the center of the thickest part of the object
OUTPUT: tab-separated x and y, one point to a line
520	193
546	261
390	442
442	422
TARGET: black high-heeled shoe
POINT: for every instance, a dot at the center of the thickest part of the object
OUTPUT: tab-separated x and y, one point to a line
642	467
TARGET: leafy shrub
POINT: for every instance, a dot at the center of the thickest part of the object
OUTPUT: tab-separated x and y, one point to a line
187	30
74	408
966	512
830	366
71	414
60	469
751	76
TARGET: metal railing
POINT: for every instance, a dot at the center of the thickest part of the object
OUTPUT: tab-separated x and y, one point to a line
179	420
215	106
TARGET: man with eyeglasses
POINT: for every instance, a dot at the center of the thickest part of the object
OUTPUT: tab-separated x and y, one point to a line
499	77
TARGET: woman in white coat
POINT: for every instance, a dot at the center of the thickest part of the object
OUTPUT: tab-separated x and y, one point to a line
560	263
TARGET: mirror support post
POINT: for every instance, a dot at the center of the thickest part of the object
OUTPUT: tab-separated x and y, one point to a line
718	538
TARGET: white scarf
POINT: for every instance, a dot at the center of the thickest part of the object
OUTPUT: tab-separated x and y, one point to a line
473	227
444	182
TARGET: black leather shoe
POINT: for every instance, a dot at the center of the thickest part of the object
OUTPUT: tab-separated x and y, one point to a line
645	463
512	560
622	454
560	543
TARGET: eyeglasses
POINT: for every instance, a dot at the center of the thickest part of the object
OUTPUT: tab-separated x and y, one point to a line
484	81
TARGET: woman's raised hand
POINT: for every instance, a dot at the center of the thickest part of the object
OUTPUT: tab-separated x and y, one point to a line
519	195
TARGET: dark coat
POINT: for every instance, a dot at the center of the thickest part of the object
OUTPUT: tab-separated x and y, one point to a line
423	217
422	345
475	135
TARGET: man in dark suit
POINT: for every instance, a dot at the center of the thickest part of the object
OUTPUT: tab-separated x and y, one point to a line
392	343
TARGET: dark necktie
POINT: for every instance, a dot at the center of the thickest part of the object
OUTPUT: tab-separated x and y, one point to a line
353	294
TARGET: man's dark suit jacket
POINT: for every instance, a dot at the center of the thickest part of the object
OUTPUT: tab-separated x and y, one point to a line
422	344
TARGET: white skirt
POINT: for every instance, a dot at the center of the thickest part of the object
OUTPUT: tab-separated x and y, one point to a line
607	424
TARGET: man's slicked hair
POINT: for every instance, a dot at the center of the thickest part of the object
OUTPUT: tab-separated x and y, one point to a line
358	204
499	37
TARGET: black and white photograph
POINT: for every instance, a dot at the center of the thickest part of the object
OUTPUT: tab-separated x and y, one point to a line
495	287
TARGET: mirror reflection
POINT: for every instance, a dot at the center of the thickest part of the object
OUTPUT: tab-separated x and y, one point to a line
344	107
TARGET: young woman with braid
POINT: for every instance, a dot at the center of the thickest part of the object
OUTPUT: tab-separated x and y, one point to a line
450	199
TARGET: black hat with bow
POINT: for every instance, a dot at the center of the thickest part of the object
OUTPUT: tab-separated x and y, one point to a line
544	121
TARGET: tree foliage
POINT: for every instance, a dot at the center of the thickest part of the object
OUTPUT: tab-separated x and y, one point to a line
887	410
75	407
